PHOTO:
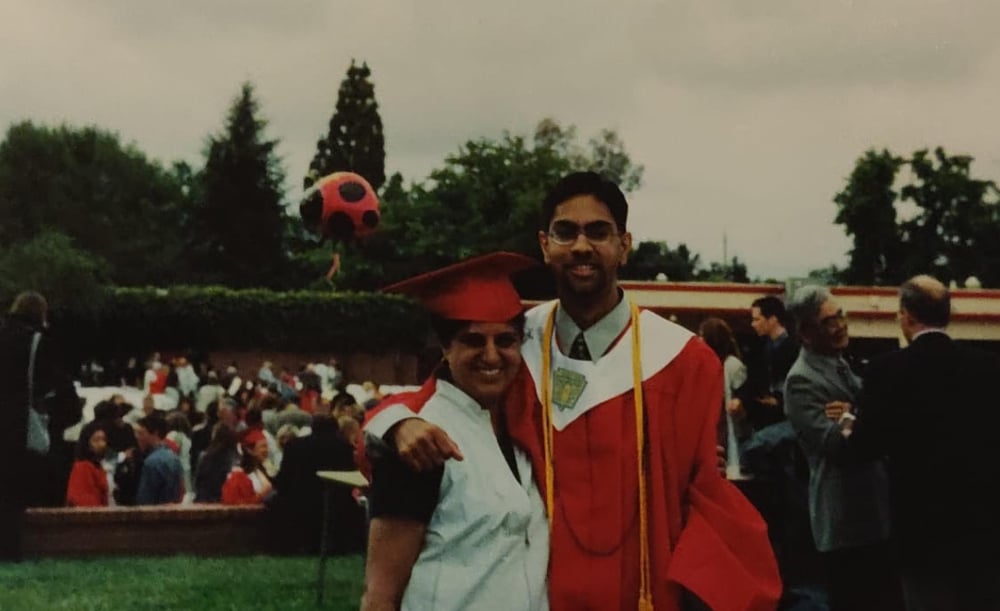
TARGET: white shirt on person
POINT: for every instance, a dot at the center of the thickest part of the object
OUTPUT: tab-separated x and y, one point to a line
487	542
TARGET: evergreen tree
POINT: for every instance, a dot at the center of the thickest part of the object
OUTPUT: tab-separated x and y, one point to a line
354	142
241	192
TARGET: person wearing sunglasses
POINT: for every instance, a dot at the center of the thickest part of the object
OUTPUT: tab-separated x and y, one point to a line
617	409
467	534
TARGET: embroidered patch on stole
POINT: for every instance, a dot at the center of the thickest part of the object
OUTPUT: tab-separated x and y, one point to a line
567	386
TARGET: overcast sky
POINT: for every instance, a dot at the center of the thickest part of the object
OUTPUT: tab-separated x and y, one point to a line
748	115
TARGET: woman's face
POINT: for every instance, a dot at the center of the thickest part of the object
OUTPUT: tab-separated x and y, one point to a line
484	358
98	443
260	450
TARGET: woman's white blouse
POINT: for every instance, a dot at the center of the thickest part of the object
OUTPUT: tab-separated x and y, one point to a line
487	543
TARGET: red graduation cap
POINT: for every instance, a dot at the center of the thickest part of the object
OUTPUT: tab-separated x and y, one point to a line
477	289
251	437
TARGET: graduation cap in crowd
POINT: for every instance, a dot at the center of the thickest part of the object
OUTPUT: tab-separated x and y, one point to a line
477	289
251	437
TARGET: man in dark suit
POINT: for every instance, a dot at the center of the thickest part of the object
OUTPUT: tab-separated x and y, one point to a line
26	477
932	408
297	509
762	397
780	486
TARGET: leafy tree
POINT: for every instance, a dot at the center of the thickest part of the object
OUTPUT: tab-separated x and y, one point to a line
606	154
108	198
649	259
354	141
734	271
866	208
486	196
241	223
953	231
826	276
957	221
72	280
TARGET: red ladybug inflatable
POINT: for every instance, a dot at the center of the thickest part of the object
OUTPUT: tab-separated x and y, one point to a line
341	206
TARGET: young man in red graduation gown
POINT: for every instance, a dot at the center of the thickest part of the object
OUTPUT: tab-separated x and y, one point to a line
640	517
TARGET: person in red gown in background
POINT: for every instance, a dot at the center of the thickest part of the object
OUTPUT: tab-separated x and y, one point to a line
248	483
88	481
640	516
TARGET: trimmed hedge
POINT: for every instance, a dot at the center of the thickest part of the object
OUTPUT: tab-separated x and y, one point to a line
137	320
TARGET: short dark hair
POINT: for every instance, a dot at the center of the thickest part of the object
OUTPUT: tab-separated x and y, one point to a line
929	307
770	306
154	423
253	417
586	183
105	410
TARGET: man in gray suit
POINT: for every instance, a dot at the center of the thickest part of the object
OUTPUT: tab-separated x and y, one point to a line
848	499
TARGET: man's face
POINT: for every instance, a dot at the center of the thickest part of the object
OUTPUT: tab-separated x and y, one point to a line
228	415
483	359
761	326
144	438
585	266
829	333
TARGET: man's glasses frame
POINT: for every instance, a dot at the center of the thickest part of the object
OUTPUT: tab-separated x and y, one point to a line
832	323
565	233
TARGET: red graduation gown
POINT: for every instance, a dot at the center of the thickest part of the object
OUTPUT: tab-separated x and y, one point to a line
87	486
704	534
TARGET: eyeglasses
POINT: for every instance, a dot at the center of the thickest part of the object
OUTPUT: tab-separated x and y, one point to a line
832	323
565	233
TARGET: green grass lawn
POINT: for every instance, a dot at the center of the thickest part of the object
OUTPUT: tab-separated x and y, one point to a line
180	582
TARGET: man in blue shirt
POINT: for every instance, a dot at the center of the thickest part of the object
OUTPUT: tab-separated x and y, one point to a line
160	481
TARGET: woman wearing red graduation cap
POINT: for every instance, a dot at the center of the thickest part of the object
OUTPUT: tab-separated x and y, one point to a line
248	483
471	534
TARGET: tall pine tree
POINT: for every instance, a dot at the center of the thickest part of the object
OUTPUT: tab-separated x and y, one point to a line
241	191
354	142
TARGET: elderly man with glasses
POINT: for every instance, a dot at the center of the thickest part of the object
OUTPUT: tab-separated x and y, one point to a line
848	499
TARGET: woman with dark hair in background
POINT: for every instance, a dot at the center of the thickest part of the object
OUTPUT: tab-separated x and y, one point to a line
88	481
215	464
248	483
719	337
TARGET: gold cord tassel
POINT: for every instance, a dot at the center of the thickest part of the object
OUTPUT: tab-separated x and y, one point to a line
645	578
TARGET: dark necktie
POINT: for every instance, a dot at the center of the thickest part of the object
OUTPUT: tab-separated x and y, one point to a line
579	349
847	377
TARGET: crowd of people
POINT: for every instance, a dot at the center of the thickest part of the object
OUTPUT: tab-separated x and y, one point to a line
583	454
170	434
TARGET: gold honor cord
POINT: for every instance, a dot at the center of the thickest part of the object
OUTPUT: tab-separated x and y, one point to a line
645	593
